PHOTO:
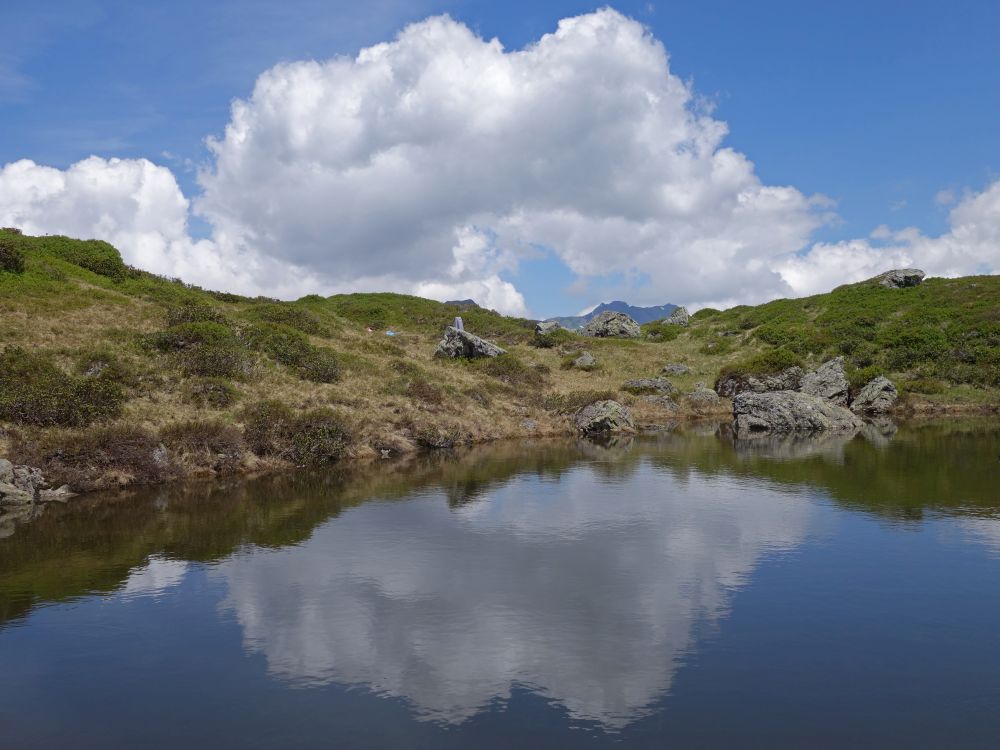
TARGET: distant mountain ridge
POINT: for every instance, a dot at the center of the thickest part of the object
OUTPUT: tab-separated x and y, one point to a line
638	314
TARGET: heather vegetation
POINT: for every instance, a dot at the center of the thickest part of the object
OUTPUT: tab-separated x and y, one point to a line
103	365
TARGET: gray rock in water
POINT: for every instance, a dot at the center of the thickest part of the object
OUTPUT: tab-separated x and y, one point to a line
57	495
585	361
678	317
828	381
878	396
603	416
546	326
899	278
458	343
789	411
12	496
649	385
675	368
611	324
732	384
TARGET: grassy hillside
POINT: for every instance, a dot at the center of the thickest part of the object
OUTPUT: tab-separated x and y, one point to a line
101	364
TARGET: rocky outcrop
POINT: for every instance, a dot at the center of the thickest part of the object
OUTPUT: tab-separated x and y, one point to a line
661	402
458	343
603	417
735	383
678	317
24	494
878	396
789	411
611	324
828	381
546	326
898	278
675	368
703	398
660	386
585	361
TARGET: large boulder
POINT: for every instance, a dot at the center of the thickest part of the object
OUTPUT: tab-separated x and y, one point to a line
458	343
611	324
546	326
678	317
878	396
734	383
828	381
602	417
660	386
899	278
703	399
789	411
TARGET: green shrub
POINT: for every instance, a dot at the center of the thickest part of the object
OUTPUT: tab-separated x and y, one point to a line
767	362
33	390
554	338
194	312
717	346
291	347
320	365
103	363
922	385
289	315
207	349
11	258
858	378
315	437
211	393
94	255
661	331
95	458
508	369
705	313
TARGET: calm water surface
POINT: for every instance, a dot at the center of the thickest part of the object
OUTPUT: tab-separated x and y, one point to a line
673	591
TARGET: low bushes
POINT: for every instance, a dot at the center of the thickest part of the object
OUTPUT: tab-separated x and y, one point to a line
103	363
95	458
662	331
291	347
314	437
33	390
209	443
207	349
568	403
508	369
194	312
11	258
211	393
552	339
288	315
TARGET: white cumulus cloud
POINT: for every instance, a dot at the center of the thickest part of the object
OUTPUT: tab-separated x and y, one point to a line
437	162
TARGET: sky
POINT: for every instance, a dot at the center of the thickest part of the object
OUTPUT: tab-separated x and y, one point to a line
537	157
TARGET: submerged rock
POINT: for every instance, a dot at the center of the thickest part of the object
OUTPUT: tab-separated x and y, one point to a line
611	324
789	411
878	396
458	343
734	383
899	278
829	381
603	416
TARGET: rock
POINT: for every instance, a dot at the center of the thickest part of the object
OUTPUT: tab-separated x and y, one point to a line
611	324
29	479
458	343
546	326
649	385
789	411
678	317
734	383
899	278
703	398
529	424
661	402
878	396
6	470
675	368
10	496
603	416
58	495
828	381
585	361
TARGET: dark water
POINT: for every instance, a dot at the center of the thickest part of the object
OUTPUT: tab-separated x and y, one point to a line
672	591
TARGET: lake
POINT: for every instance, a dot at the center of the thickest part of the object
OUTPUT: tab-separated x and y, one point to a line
678	590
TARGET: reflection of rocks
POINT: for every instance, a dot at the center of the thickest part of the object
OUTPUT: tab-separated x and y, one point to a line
879	430
790	446
24	494
449	609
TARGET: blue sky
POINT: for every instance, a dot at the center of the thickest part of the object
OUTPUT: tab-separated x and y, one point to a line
878	105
